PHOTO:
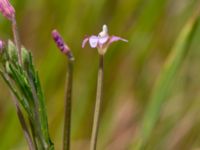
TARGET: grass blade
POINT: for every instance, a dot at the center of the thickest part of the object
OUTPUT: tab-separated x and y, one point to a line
167	76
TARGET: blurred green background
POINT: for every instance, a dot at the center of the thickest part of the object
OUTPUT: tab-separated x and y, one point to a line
137	92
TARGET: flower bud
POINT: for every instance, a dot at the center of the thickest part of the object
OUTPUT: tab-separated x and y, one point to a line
7	10
25	56
12	51
61	44
7	67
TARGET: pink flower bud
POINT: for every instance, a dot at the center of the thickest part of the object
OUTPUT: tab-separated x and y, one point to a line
61	44
7	9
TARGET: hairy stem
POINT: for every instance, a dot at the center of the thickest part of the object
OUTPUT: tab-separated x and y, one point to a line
95	128
16	39
68	103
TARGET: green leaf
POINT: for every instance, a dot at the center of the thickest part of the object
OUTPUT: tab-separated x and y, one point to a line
25	57
16	93
36	87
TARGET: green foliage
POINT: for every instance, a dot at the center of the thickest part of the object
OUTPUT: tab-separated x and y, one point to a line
24	83
132	72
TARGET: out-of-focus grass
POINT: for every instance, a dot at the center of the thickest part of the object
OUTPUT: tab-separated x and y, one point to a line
168	75
131	70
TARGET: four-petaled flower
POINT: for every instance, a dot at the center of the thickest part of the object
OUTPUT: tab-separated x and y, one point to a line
102	41
7	9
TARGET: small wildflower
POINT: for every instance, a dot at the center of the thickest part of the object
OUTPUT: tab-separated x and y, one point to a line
7	9
102	41
61	44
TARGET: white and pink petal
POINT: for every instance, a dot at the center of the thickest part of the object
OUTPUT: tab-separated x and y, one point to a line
86	39
93	40
114	38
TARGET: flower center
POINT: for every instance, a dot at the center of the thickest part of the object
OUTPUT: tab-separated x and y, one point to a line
104	32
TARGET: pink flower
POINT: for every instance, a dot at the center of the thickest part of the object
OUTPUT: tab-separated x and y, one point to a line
7	9
102	41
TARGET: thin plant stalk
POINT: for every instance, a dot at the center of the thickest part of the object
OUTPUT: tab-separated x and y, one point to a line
68	105
97	110
63	47
16	39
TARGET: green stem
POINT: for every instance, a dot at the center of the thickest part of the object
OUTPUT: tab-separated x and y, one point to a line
33	133
16	39
68	97
95	128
